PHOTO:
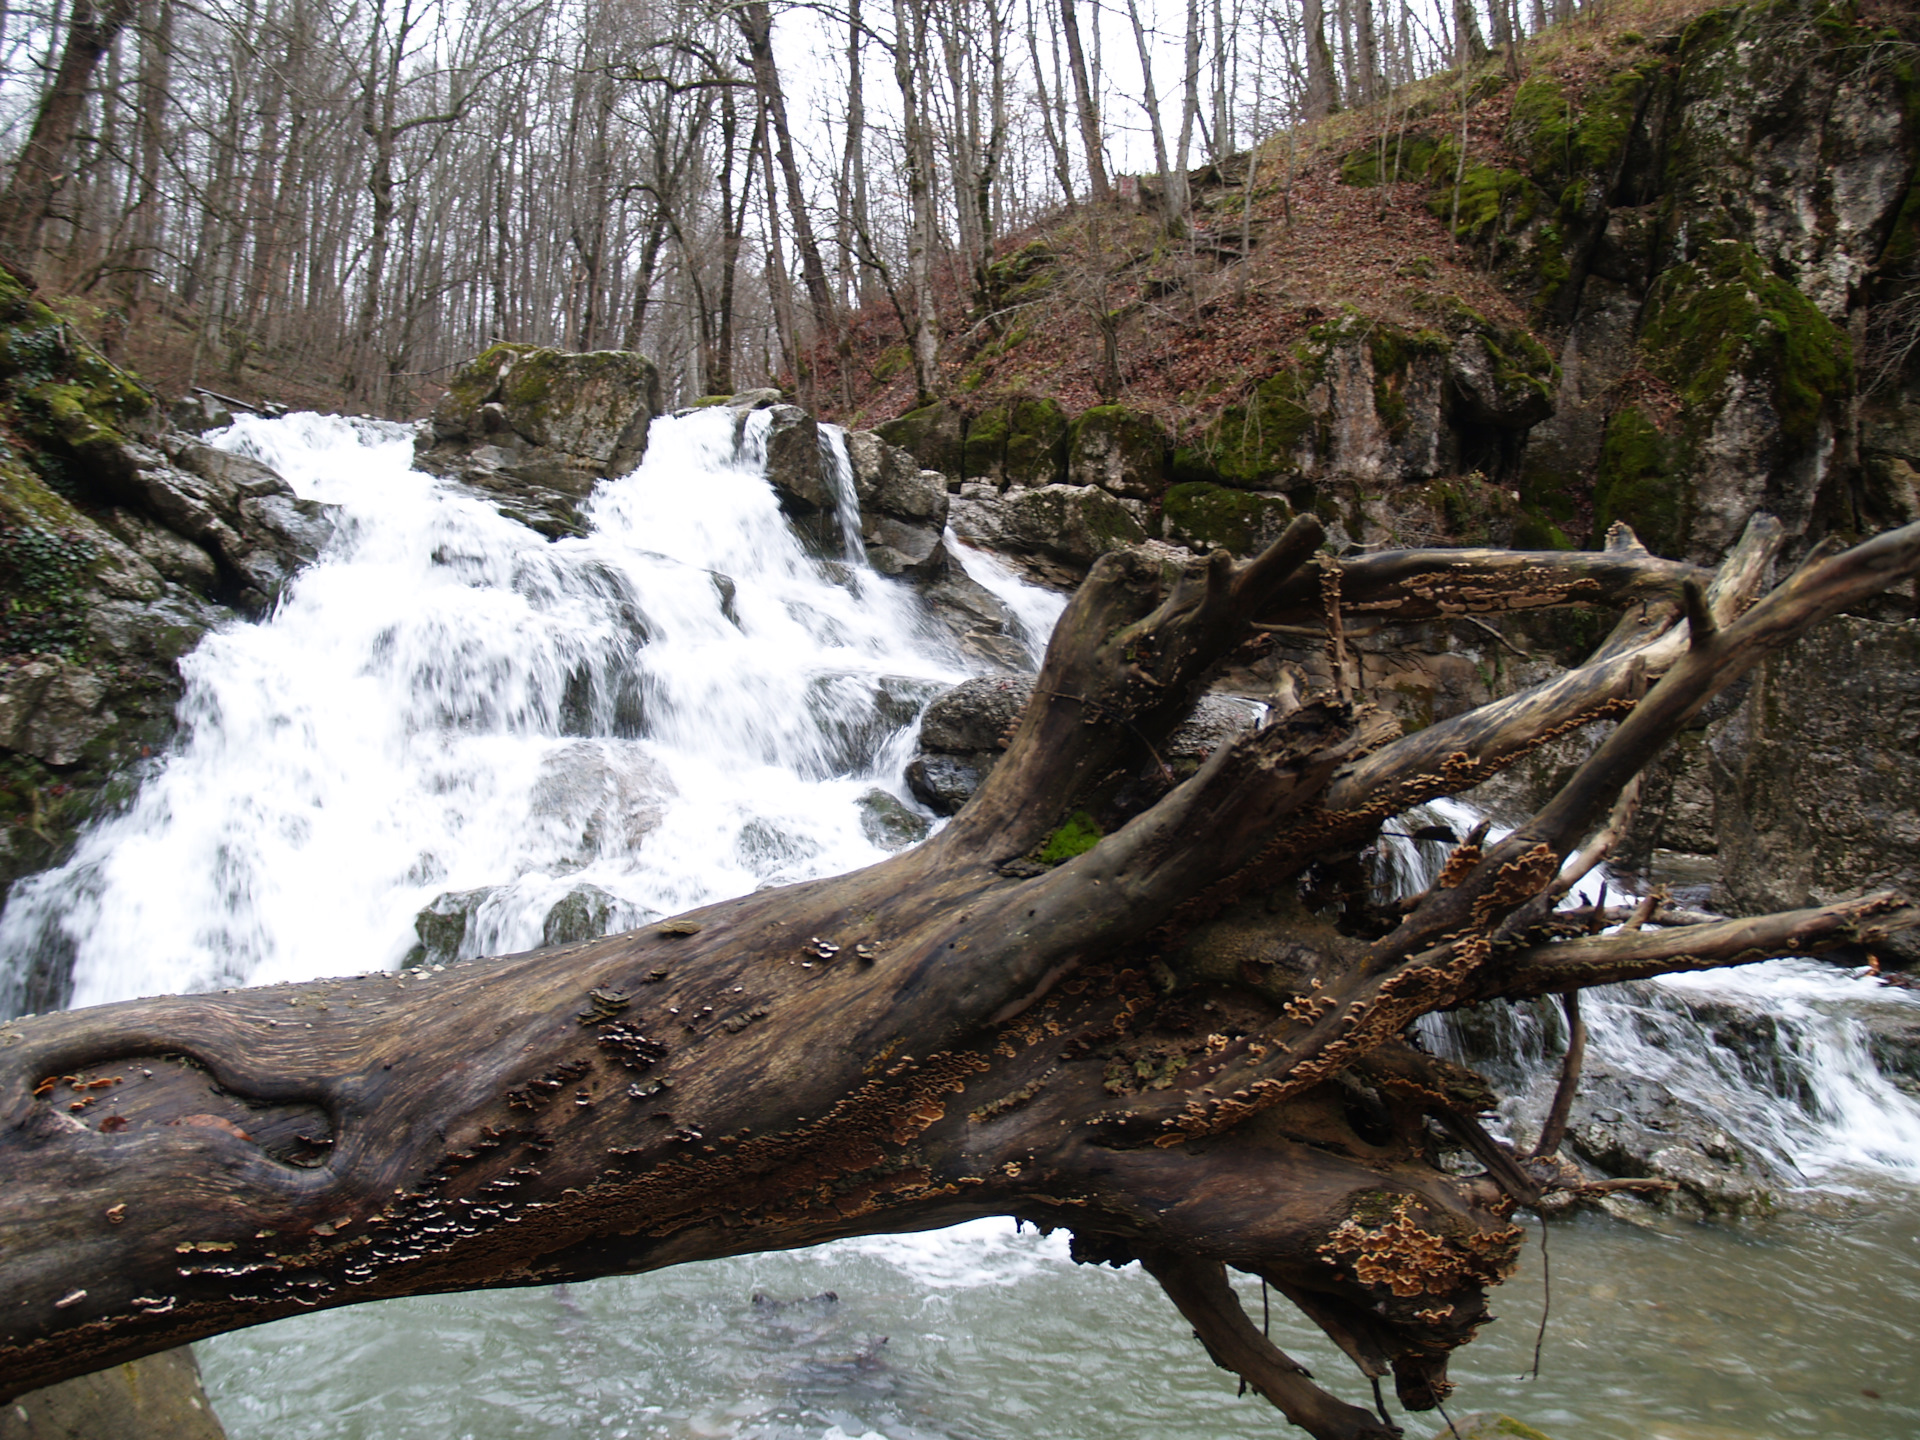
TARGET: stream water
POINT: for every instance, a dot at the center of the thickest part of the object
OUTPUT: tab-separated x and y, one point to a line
688	704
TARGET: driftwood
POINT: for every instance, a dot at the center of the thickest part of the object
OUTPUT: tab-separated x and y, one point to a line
1188	1045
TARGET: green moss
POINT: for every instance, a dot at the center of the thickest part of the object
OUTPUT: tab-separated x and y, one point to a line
1076	836
1251	443
984	451
1641	480
1036	442
1214	517
893	360
1492	198
1407	158
933	435
1727	314
1393	351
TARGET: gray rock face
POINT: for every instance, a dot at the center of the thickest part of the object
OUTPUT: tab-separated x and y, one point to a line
537	429
52	710
158	1398
1073	524
235	511
1815	784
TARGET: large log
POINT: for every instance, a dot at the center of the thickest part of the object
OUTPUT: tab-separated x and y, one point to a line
1189	1044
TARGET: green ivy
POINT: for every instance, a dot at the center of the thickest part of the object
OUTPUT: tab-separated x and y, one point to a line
43	576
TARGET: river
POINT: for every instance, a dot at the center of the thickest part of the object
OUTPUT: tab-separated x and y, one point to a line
686	704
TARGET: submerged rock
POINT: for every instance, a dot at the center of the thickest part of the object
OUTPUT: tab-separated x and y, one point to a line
887	821
596	798
442	926
586	912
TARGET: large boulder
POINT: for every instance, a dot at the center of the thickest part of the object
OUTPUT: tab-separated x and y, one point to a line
1072	524
933	435
1122	451
539	428
903	509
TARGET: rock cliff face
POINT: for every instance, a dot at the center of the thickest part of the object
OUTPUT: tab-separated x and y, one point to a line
123	539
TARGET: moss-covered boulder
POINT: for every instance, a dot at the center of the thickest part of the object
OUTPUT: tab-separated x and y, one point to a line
1121	450
933	435
540	428
1071	524
593	408
1207	517
1020	442
1266	438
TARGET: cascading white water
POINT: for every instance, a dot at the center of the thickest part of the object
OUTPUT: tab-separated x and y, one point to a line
1777	1052
680	707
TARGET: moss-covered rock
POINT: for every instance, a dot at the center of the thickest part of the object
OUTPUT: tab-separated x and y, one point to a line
1728	314
1036	447
1121	450
1270	435
933	435
1207	517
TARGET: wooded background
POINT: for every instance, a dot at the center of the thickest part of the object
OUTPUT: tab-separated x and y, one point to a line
371	192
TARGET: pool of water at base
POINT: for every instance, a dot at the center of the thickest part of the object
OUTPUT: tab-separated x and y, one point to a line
1798	1326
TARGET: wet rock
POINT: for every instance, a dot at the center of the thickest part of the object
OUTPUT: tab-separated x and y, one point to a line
976	715
1836	716
795	465
1124	452
982	624
902	548
887	478
887	821
586	912
1894	1042
1490	1425
596	798
538	428
51	710
1626	1125
156	1398
237	511
856	715
1071	524
943	783
442	926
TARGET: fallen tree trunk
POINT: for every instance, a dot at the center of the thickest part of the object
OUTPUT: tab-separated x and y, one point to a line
1189	1043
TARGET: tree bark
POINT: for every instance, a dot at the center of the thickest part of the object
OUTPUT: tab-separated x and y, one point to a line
1188	1044
756	27
44	160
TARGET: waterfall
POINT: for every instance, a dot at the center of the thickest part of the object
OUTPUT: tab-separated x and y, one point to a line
1777	1053
447	710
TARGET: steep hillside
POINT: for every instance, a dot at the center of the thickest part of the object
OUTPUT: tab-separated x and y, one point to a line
1671	278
